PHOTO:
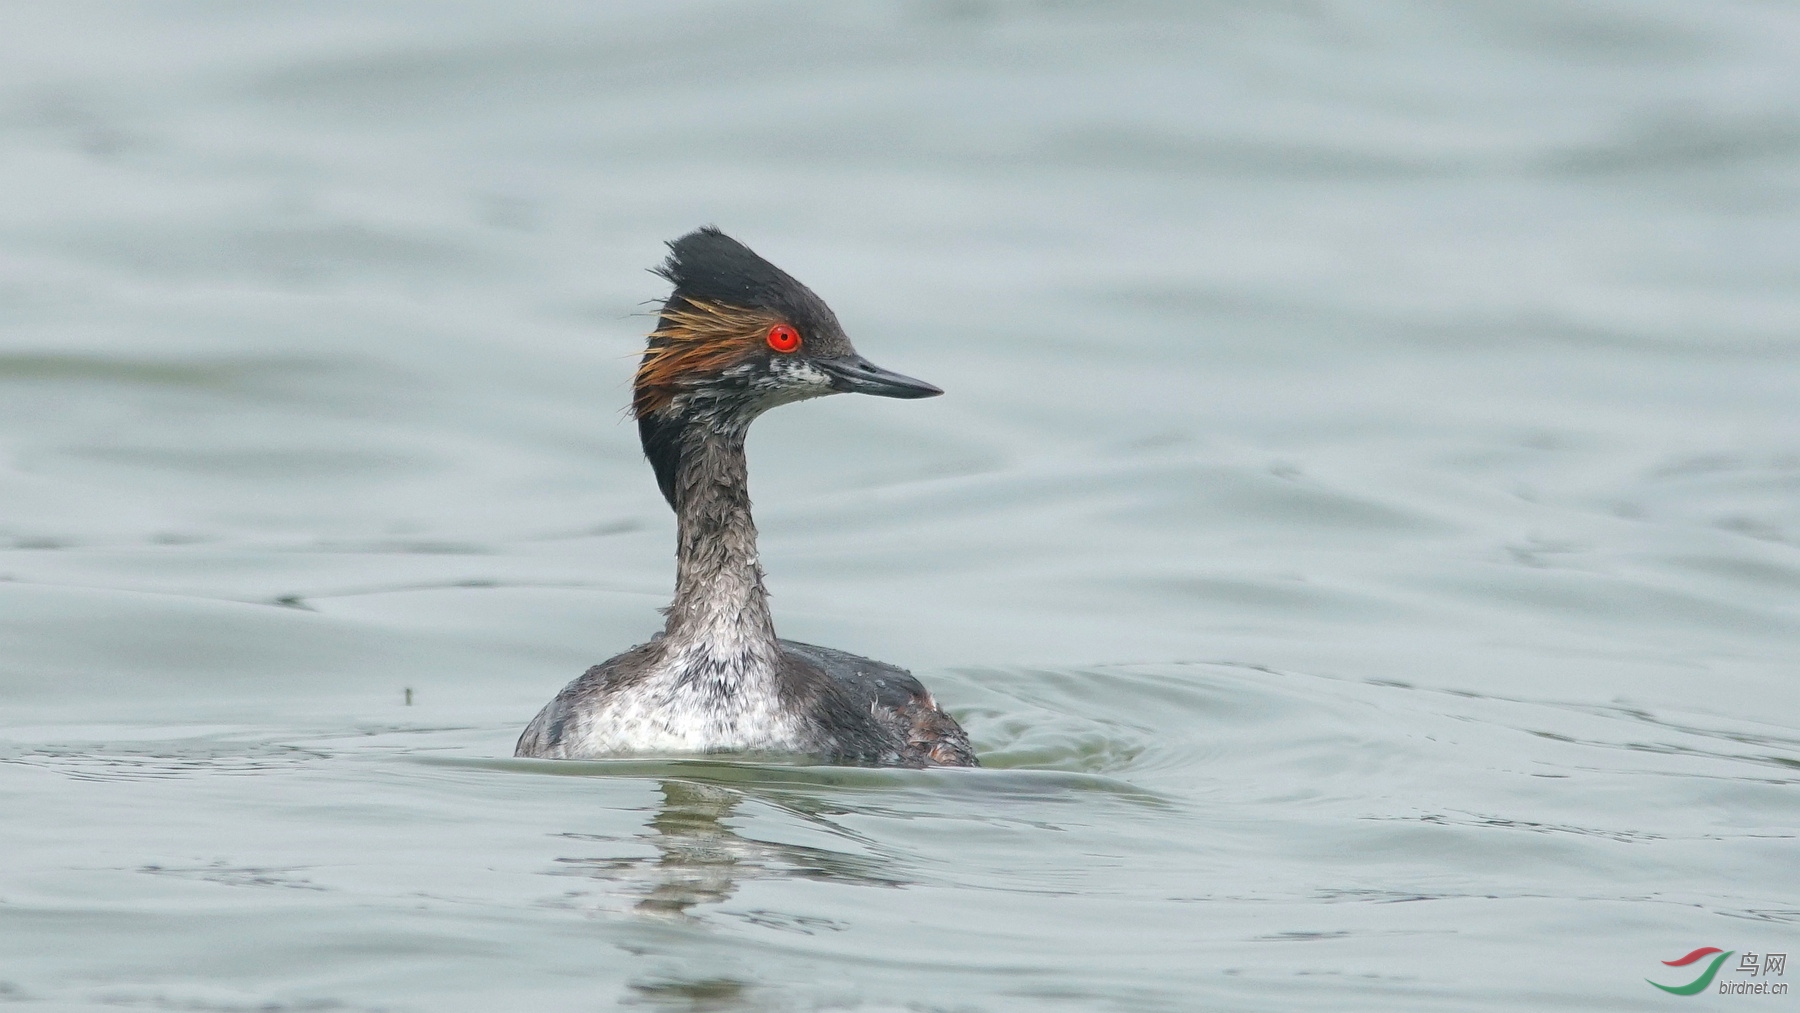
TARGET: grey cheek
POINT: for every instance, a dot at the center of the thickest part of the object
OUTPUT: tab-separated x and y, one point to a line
789	380
806	376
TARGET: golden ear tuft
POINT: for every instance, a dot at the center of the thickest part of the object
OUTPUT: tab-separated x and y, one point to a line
696	337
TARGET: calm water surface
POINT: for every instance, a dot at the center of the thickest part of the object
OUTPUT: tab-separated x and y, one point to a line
1362	534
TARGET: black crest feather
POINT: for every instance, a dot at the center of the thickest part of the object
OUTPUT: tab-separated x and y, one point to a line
709	265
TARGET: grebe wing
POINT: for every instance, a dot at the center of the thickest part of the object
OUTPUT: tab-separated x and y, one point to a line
867	680
895	698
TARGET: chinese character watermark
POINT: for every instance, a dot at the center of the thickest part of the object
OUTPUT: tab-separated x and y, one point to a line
1709	960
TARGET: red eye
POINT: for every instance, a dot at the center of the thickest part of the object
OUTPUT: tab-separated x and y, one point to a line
783	338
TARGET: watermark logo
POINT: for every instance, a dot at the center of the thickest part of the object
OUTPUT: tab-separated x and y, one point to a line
1754	965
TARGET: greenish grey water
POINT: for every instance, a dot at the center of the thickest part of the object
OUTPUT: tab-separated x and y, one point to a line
1362	534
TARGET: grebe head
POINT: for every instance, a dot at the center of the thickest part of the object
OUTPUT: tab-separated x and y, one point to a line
737	337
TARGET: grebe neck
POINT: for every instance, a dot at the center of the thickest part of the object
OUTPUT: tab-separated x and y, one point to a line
721	610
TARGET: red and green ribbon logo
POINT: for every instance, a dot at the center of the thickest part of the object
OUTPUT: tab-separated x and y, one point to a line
1698	984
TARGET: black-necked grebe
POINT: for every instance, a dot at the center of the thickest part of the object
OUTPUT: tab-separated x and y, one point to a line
737	337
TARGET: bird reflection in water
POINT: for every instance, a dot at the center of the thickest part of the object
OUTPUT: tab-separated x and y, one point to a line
700	859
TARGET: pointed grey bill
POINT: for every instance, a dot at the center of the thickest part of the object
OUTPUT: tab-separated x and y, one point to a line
857	375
